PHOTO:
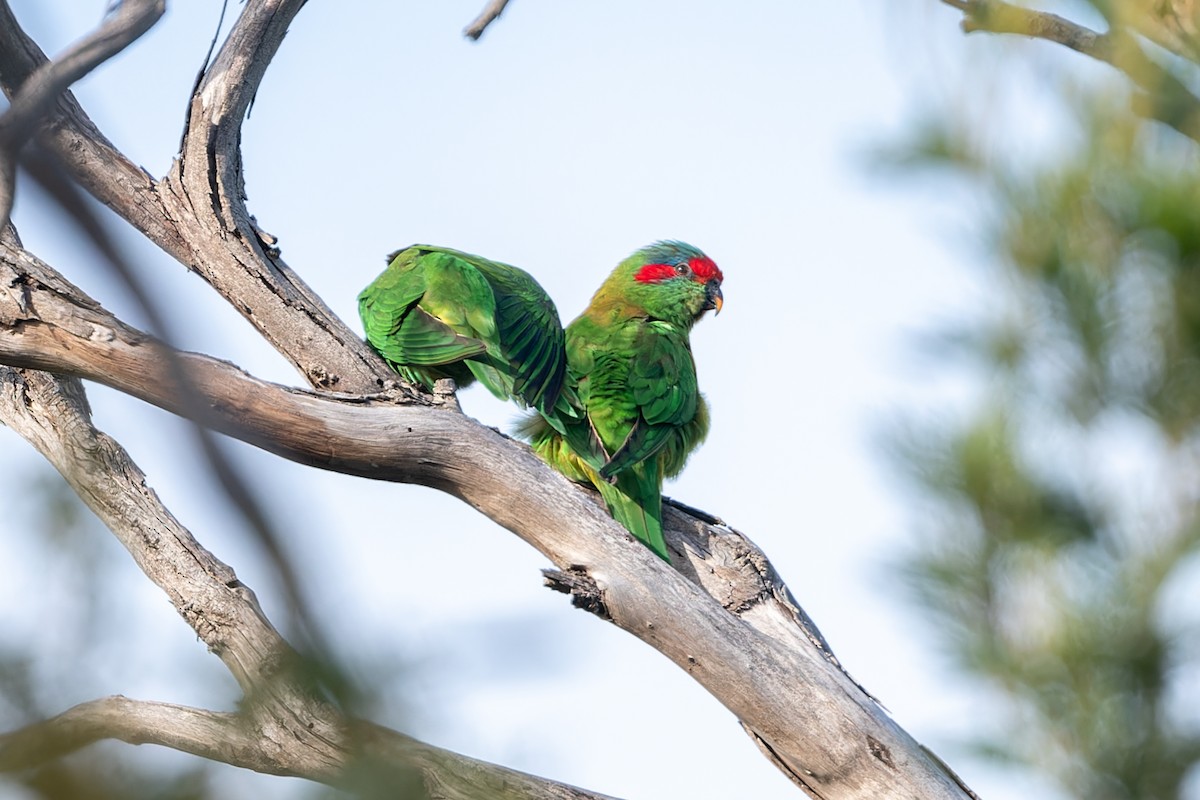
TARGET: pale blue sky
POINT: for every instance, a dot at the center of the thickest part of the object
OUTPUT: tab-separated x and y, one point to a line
571	135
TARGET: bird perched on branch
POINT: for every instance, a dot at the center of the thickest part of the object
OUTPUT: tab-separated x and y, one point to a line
637	409
438	313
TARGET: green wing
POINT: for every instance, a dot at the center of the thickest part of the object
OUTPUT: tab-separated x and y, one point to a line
426	311
434	307
532	342
663	390
597	371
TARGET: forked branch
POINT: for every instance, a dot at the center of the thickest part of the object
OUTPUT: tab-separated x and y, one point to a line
197	213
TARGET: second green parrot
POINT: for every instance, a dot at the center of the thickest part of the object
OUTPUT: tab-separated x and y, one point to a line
439	313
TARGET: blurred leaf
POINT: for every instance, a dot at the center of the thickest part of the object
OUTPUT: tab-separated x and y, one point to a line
1043	572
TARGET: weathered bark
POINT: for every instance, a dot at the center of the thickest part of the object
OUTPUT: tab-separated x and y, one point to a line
721	613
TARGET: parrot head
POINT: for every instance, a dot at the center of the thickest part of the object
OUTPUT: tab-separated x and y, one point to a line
671	281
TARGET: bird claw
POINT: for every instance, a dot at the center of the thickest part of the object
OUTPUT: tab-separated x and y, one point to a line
445	391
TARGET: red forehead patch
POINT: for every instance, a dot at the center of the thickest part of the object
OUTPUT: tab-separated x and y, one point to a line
703	271
654	272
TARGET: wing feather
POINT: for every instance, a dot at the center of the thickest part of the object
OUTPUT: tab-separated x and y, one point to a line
662	384
434	306
414	314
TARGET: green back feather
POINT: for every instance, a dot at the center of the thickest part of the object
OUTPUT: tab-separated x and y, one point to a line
434	311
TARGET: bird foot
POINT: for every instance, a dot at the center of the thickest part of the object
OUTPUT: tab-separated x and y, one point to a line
445	392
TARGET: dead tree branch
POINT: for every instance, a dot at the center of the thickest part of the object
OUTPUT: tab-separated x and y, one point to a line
197	214
221	737
234	739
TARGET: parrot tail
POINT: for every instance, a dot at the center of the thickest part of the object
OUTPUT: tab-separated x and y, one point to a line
644	520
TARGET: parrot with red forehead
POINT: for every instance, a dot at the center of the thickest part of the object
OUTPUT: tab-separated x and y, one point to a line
639	411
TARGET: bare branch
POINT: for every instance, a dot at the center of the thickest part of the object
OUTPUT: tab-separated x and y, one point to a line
36	94
1163	96
124	26
238	488
48	173
68	133
490	14
785	689
221	737
997	16
52	414
234	739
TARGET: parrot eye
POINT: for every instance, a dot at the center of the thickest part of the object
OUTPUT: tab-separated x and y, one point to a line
681	269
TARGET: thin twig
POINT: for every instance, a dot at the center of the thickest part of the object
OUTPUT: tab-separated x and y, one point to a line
486	17
997	16
219	736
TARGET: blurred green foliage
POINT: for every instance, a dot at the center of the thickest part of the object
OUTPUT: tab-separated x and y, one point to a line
1059	533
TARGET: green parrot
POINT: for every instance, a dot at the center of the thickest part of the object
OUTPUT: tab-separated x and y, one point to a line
639	411
438	313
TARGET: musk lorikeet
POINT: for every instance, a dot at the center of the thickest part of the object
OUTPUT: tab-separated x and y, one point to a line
639	411
438	313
